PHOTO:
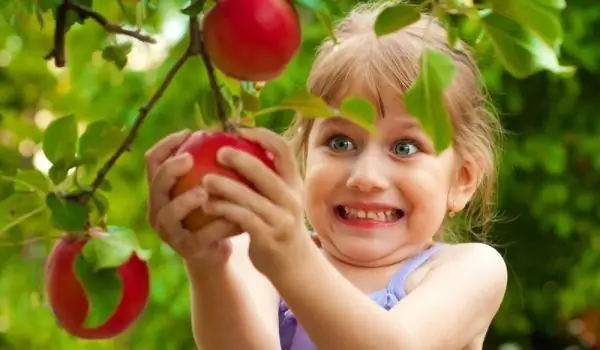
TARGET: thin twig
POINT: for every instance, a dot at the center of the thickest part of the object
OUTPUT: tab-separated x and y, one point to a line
58	51
226	125
144	111
85	12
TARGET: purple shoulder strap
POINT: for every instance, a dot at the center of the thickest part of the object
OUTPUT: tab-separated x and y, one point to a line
396	285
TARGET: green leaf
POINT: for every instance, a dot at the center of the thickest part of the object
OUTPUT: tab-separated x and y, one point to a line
315	5
60	140
32	179
105	185
66	215
207	107
425	98
46	5
117	54
59	171
195	8
250	102
103	289
73	17
543	19
29	180
451	23
360	111
99	139
322	12
114	249
307	104
327	23
519	49
232	84
18	208
101	204
555	4
396	17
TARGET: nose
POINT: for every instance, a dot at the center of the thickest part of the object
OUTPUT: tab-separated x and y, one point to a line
368	174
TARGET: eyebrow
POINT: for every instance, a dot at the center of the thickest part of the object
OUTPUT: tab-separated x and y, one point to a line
407	122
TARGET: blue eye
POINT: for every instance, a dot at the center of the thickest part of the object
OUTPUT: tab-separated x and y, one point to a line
340	143
405	148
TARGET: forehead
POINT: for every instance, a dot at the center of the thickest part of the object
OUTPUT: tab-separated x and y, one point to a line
386	98
389	122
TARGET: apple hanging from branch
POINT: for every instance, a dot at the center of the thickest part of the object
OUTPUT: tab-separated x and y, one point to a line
252	40
97	283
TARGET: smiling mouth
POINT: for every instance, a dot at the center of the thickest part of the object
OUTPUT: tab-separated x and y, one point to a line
385	216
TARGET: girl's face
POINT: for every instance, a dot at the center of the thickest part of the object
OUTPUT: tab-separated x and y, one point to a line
376	199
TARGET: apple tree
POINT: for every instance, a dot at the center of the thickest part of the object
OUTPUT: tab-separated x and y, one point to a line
87	87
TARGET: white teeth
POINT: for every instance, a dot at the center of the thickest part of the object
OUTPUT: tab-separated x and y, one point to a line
387	215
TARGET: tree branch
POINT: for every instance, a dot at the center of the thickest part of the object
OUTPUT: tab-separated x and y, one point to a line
195	47
58	51
226	125
85	12
144	111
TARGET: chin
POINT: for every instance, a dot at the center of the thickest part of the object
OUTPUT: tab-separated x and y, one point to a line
363	251
360	255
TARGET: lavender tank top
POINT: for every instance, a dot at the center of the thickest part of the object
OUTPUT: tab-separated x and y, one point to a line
294	337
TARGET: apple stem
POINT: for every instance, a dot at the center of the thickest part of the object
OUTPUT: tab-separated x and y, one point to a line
226	125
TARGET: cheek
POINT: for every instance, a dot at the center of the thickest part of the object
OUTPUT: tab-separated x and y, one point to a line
426	189
321	179
320	176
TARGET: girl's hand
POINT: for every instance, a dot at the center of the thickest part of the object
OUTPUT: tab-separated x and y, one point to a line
210	244
273	215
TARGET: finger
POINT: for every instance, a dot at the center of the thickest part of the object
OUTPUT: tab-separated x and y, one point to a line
168	219
240	194
265	180
162	150
247	220
166	176
284	159
192	244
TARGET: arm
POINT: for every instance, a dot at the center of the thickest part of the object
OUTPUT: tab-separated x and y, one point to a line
454	303
233	306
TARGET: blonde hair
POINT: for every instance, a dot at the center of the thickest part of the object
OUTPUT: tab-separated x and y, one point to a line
392	62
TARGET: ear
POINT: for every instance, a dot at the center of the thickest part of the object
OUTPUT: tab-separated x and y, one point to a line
467	178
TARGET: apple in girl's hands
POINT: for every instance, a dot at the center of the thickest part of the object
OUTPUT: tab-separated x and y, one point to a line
271	209
203	146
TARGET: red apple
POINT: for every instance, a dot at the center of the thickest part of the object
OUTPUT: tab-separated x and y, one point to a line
68	299
252	40
203	147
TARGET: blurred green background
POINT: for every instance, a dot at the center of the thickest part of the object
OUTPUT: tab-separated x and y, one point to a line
548	189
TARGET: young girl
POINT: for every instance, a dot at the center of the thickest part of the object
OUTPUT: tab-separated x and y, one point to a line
380	207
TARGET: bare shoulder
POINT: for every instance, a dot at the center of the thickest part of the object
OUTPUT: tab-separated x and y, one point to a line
477	262
479	267
463	282
469	251
474	257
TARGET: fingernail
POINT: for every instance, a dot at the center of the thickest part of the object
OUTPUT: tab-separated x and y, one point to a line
186	158
200	193
221	155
